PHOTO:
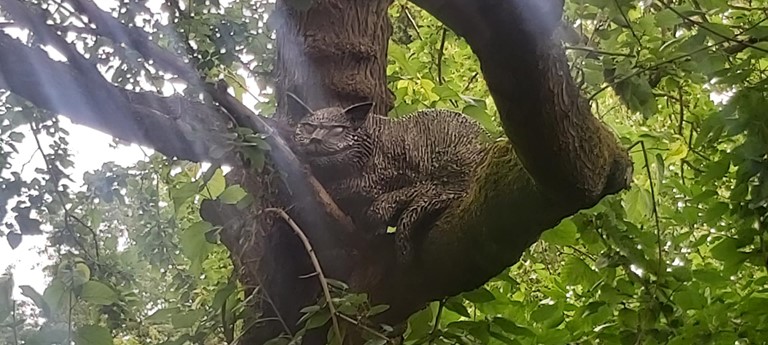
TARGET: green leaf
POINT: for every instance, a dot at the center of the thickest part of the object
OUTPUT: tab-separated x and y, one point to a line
545	312
628	318
98	293
667	19
724	249
162	315
36	298
74	274
576	271
222	294
718	31
93	335
638	204
182	193
481	116
232	195
564	234
56	295
419	324
715	212
511	327
479	295
709	277
215	186
16	137
318	319
455	305
194	244
682	273
6	293
14	239
689	299
378	309
677	151
186	319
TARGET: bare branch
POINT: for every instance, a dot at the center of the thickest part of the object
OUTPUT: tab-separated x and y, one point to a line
138	117
315	263
542	110
136	39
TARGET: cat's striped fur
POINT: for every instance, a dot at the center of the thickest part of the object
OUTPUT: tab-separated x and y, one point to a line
384	172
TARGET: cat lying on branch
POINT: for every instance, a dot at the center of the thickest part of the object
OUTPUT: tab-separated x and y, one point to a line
385	172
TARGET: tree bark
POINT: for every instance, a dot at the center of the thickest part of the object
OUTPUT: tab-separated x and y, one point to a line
558	158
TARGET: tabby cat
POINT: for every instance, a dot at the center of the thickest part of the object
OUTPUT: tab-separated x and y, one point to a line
389	172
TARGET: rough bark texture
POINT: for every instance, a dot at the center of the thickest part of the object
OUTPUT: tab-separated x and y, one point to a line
558	158
335	53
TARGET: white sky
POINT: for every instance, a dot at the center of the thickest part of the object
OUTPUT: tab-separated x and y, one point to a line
90	149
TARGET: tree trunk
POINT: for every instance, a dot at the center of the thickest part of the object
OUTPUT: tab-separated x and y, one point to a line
334	54
558	158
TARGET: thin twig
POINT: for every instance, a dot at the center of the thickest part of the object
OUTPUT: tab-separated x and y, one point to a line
693	167
31	157
582	252
670	60
79	244
597	51
629	24
365	328
470	81
655	208
705	28
315	263
412	21
93	232
440	58
13	316
56	184
682	110
71	306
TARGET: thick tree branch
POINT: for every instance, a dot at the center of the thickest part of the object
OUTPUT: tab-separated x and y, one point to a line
308	194
138	117
542	110
34	20
134	38
559	159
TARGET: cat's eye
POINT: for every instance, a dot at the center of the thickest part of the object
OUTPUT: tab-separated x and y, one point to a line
308	127
336	130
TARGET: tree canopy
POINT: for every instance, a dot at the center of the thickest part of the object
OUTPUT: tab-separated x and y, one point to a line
678	258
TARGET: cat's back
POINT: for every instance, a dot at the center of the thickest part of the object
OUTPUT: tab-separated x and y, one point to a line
437	142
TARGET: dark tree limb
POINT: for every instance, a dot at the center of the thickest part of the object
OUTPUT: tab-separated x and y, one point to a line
542	110
559	157
105	25
138	117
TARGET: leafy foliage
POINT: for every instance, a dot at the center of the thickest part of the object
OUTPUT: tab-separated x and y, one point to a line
678	259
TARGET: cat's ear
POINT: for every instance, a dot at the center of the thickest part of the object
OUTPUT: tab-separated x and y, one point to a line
296	108
357	113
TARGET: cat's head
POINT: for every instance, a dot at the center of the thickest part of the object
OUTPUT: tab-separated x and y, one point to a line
331	137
